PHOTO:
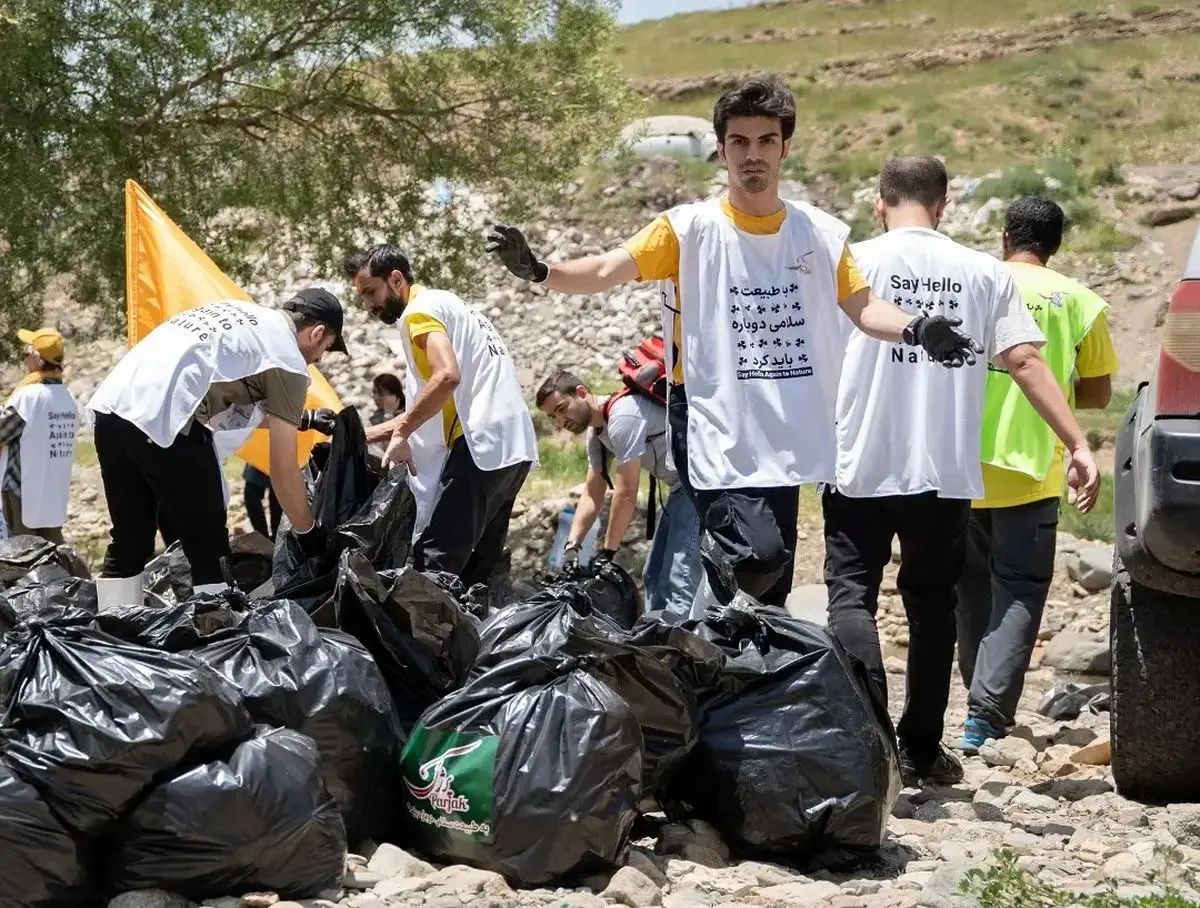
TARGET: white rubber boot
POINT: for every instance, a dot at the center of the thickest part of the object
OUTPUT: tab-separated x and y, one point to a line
212	589
115	592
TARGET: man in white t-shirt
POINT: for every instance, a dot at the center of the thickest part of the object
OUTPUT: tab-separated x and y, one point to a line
466	467
908	453
754	288
626	434
215	370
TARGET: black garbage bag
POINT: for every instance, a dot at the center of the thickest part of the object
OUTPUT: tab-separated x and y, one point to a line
258	820
361	508
21	554
43	865
612	592
68	597
92	721
530	771
543	620
169	575
421	640
291	674
793	762
560	622
695	661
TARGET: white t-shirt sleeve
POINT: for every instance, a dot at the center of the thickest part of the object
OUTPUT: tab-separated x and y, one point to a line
627	432
1012	322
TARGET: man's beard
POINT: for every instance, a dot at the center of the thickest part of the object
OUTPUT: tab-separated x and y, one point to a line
393	306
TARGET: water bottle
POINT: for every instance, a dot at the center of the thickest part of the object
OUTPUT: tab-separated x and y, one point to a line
557	555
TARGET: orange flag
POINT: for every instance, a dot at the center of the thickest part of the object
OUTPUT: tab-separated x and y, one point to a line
166	273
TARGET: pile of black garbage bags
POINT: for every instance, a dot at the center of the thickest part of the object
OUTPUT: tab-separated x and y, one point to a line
217	745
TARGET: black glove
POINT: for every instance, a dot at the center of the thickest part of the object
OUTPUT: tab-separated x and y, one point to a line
323	420
509	243
570	556
942	341
604	558
313	543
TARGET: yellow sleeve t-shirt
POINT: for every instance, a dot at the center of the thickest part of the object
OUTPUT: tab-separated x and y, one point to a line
1007	488
420	324
655	251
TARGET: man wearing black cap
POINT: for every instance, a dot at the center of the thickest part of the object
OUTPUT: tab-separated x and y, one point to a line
222	367
467	466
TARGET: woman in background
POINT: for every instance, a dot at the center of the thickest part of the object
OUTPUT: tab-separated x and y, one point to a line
388	393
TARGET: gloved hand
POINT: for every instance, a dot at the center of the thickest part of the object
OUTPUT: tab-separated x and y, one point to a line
314	542
323	420
604	559
570	556
939	336
509	243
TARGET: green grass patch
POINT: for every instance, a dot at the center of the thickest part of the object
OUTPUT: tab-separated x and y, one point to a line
1004	884
1097	523
1101	425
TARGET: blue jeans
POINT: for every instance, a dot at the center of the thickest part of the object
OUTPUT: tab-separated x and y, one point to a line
673	569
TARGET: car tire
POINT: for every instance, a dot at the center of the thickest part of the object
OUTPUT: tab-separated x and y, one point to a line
1155	703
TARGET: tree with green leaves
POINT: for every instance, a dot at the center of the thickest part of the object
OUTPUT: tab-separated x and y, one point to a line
325	119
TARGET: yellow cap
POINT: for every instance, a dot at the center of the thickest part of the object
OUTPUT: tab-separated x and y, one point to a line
46	343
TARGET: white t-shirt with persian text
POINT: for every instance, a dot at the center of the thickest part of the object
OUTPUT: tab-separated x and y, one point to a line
906	424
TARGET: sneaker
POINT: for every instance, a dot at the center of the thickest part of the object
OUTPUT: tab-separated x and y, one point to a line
975	732
943	769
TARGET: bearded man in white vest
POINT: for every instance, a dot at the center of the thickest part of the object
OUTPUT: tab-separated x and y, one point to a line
466	436
754	292
37	432
202	377
908	453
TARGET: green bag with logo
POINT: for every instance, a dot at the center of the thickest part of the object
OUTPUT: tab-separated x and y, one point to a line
493	772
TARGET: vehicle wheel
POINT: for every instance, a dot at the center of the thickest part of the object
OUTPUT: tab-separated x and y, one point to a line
1155	692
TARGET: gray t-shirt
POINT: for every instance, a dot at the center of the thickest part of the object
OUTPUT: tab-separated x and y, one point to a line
281	393
637	427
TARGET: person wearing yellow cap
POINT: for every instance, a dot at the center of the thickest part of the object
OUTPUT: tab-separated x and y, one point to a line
37	429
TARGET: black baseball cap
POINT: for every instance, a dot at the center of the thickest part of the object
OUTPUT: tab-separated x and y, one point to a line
324	307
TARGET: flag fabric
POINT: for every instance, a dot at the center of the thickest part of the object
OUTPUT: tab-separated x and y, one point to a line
167	273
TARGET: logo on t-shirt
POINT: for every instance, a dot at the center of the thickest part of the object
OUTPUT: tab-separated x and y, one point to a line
802	264
1057	300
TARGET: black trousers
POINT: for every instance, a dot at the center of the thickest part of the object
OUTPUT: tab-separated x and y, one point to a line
181	485
258	516
467	530
755	528
858	546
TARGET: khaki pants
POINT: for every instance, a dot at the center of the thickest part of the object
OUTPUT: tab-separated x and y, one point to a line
12	516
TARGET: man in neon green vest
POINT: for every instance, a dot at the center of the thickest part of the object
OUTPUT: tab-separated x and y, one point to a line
1011	538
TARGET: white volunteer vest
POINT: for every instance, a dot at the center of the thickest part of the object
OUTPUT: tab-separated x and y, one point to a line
905	424
762	346
490	404
47	442
158	384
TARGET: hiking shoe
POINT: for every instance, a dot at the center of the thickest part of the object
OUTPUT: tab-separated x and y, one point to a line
943	769
975	732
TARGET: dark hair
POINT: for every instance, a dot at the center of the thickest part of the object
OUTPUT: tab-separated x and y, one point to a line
1035	225
562	381
757	97
354	262
914	178
301	320
380	261
389	384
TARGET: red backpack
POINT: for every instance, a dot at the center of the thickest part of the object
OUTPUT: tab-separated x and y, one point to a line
643	371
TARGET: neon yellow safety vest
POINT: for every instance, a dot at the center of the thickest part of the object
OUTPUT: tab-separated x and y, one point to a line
1015	437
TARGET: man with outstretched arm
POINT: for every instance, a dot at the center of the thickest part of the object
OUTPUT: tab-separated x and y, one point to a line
908	436
221	367
754	291
467	466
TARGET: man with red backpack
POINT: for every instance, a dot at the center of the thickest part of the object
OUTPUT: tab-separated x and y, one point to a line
626	434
